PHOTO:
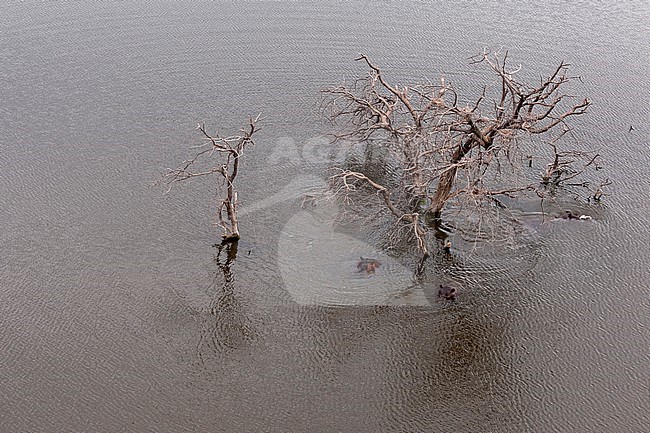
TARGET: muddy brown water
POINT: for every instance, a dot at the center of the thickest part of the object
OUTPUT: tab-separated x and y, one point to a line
118	314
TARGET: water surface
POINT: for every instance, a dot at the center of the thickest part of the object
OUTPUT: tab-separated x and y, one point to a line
118	314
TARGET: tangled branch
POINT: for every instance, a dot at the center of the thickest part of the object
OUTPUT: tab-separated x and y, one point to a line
449	150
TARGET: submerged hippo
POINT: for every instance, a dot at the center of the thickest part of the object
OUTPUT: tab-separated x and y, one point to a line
447	292
368	266
569	215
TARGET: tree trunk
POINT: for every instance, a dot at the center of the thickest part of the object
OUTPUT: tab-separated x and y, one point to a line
232	232
446	182
443	192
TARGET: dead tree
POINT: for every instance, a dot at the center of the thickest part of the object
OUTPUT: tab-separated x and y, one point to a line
454	149
217	156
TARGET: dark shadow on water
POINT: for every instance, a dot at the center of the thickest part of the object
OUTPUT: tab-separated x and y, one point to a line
421	364
227	327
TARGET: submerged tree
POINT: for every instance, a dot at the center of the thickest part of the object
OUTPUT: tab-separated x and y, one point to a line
217	156
454	151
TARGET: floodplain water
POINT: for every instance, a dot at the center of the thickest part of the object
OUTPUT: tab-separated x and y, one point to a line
119	314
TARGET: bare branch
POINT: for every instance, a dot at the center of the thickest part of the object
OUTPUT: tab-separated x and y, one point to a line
229	149
450	151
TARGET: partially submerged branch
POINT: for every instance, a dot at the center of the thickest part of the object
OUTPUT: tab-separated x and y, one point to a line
348	181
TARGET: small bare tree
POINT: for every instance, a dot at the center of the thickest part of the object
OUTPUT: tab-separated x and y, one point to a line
452	150
217	156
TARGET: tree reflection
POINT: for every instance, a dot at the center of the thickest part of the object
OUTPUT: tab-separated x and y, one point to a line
227	327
